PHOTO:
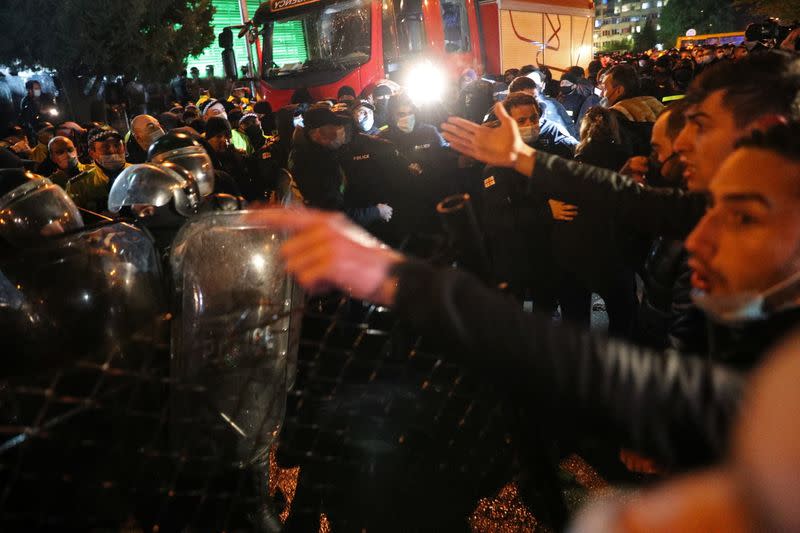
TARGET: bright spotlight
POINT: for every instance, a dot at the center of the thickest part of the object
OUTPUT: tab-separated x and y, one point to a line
425	83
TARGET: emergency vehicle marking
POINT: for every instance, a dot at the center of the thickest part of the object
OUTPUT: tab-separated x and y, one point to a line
280	5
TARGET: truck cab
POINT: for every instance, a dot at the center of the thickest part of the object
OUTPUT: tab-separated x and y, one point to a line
322	45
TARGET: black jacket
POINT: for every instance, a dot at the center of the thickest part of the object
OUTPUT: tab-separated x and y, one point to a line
435	176
676	408
612	210
376	173
321	182
136	154
516	228
666	316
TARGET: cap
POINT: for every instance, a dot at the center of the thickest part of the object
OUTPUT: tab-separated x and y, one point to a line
318	116
382	91
363	103
205	105
103	134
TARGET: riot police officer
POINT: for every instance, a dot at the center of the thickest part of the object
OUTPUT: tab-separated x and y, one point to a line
332	177
433	166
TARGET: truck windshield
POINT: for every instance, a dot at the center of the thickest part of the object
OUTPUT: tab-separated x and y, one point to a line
331	37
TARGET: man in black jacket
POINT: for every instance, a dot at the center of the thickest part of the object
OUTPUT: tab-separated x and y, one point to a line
329	164
674	407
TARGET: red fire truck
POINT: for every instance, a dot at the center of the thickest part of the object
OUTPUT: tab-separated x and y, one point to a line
325	44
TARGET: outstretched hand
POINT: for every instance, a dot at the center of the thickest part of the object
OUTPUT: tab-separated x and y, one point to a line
562	210
501	146
327	250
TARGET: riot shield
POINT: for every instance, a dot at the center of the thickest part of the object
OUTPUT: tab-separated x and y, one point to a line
93	295
233	336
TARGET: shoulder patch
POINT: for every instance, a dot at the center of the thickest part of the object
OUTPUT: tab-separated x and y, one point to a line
488	182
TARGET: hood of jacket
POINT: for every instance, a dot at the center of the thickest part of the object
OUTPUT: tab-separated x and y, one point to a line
639	108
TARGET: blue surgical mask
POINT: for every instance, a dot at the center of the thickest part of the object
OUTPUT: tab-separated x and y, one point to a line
406	123
731	309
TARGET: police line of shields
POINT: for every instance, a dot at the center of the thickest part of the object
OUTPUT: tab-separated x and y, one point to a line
209	311
98	297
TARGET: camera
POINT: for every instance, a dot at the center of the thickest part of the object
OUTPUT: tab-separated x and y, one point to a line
772	29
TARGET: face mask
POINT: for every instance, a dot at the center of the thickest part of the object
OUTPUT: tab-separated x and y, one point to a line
37	93
66	161
750	305
603	102
366	122
529	134
154	136
112	162
406	123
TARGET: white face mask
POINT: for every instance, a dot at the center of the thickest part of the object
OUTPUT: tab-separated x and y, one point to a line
151	137
747	306
406	123
37	93
112	162
366	122
529	134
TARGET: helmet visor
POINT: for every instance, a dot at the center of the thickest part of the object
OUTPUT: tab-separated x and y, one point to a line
196	161
41	210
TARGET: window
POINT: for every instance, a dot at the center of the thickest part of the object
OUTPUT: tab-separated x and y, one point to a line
638	29
616	10
288	42
456	26
334	36
389	32
658	27
411	32
634	19
597	23
626	8
659	3
645	5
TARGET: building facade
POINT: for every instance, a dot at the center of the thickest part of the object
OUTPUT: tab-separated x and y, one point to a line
618	20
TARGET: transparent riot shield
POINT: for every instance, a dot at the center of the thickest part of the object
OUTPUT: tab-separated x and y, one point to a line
94	295
234	335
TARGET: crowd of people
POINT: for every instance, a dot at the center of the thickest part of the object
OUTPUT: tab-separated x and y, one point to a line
664	182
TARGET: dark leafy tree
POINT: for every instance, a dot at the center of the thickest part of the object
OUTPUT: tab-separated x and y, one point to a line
84	41
787	10
647	38
616	46
704	16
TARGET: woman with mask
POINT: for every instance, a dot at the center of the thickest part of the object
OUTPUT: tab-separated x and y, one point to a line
517	220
